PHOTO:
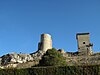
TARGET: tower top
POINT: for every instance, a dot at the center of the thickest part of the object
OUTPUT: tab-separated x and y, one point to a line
46	35
81	34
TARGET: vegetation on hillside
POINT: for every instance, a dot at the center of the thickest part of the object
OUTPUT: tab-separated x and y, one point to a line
64	70
52	58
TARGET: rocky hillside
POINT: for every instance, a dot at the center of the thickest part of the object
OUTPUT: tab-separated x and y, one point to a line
20	60
93	59
27	60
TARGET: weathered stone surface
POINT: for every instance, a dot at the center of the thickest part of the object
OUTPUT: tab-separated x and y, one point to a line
14	59
45	42
83	60
61	51
21	58
84	44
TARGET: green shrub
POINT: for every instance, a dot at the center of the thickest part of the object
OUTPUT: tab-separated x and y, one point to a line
64	70
52	58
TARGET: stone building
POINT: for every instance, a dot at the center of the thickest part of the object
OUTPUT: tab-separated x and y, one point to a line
45	43
84	45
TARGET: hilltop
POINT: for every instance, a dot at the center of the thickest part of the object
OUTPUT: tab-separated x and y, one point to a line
84	55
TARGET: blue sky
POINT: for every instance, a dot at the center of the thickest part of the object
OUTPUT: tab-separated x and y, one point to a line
23	21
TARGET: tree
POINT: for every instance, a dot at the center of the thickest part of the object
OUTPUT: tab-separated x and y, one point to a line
52	58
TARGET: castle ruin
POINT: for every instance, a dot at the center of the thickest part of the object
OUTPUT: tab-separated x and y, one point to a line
45	43
84	53
84	45
83	42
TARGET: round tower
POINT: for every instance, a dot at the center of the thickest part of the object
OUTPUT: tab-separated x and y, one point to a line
45	43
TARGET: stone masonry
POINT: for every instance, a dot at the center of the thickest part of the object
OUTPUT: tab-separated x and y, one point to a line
45	43
84	45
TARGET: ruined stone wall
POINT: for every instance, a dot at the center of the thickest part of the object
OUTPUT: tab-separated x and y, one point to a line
84	45
83	40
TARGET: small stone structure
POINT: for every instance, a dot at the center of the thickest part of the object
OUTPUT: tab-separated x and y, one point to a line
45	43
61	51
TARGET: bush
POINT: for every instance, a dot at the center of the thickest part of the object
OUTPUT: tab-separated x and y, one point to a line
52	58
57	70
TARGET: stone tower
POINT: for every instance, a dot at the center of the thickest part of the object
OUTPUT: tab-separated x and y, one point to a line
84	45
45	43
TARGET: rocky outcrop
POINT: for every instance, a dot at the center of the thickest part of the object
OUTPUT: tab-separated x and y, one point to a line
21	58
14	59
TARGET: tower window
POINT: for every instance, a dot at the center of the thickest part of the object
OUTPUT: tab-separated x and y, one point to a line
83	42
